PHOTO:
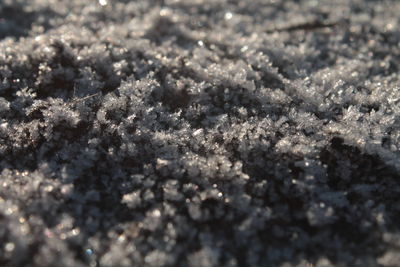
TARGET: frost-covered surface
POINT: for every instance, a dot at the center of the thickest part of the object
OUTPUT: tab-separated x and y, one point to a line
199	133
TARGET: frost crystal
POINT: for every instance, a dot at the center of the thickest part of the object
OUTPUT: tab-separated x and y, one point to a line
199	133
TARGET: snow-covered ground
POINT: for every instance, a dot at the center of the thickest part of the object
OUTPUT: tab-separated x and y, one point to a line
199	133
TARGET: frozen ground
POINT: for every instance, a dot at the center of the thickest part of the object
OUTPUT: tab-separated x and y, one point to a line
199	133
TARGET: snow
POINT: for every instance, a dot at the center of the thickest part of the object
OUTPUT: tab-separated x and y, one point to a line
199	133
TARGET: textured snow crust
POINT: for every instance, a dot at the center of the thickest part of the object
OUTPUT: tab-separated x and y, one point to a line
199	133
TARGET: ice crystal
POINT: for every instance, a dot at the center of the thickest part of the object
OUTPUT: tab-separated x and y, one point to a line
199	133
